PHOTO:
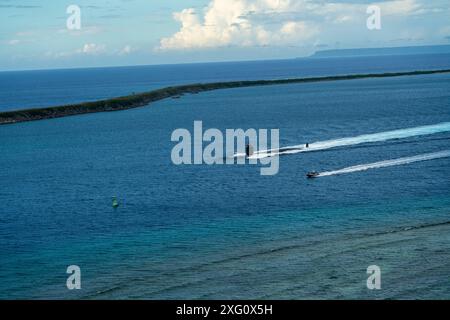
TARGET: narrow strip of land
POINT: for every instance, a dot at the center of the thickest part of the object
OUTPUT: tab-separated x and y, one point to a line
142	99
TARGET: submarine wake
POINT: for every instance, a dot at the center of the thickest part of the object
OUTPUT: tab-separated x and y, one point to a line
351	141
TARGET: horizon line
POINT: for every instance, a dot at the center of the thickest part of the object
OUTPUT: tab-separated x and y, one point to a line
313	55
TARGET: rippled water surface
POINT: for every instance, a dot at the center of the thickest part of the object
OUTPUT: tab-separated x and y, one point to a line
226	231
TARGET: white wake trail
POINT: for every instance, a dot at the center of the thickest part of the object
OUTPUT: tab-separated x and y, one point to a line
388	163
366	138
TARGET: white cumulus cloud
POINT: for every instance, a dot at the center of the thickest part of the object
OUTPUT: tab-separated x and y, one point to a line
92	49
230	23
126	50
270	22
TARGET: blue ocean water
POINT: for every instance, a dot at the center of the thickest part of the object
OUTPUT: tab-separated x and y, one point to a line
43	88
226	231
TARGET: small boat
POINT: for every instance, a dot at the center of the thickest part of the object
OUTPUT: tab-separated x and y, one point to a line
115	203
312	174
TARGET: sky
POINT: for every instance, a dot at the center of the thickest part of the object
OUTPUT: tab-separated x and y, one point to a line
34	34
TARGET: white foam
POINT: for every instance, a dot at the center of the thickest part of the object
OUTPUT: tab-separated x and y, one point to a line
388	163
366	138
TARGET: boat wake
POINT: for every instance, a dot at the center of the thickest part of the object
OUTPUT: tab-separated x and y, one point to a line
388	163
351	141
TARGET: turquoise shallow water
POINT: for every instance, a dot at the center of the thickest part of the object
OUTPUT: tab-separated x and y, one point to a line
260	258
225	231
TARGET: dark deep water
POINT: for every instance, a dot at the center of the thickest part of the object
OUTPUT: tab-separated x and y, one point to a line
226	231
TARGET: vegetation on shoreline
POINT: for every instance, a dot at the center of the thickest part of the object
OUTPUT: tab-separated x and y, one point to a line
142	99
